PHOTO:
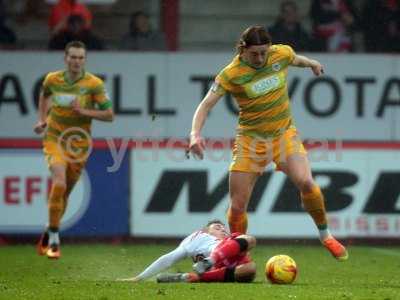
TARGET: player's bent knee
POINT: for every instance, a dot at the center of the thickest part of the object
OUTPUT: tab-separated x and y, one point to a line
246	272
60	186
251	240
307	185
239	204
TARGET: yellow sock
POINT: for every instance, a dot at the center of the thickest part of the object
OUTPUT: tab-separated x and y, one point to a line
237	222
313	203
70	185
64	207
56	205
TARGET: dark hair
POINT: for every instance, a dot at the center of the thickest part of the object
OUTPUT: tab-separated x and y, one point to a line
215	221
2	11
74	44
73	19
138	13
288	3
253	36
132	21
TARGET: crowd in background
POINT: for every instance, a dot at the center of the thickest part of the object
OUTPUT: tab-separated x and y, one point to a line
71	20
334	25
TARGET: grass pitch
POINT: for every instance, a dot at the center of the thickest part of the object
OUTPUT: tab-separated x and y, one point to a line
89	272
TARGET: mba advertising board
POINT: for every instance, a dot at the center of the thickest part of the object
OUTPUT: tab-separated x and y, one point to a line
172	196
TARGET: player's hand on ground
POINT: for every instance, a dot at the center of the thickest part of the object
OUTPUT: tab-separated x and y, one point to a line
317	68
197	145
132	279
39	127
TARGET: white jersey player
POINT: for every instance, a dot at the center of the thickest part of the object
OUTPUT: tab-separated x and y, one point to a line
200	245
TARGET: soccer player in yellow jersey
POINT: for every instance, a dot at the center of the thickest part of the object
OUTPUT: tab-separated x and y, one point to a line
257	79
68	102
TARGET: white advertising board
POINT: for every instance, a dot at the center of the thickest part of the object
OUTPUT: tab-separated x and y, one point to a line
24	186
155	95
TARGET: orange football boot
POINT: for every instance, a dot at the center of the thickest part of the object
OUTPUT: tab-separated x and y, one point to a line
336	249
54	252
43	244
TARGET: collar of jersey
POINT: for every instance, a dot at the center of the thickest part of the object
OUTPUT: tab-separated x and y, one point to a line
242	61
69	81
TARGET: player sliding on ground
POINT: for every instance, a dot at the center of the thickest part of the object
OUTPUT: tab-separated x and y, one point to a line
257	79
219	257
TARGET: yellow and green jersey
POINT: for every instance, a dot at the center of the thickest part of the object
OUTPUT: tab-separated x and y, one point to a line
62	121
261	94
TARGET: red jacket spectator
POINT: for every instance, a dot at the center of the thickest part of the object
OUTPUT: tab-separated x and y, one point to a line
63	9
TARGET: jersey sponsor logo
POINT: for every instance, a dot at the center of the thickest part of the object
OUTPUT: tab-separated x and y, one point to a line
265	85
64	100
276	67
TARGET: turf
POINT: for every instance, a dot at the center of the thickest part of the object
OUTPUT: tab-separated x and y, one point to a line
89	272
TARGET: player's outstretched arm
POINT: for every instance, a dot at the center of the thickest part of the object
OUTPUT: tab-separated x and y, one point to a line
159	265
44	105
305	62
197	145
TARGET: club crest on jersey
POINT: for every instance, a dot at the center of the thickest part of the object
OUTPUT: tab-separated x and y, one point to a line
276	67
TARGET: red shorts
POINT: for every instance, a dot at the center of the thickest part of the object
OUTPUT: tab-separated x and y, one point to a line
240	259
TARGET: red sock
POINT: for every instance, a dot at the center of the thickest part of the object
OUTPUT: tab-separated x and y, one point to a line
217	275
228	249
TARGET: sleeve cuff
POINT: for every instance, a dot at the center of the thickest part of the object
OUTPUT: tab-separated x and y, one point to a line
105	105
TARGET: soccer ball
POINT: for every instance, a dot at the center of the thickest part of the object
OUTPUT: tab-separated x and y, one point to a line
281	269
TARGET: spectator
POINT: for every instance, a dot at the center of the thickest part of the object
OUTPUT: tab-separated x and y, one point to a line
333	22
141	37
288	29
62	10
75	31
381	25
8	39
